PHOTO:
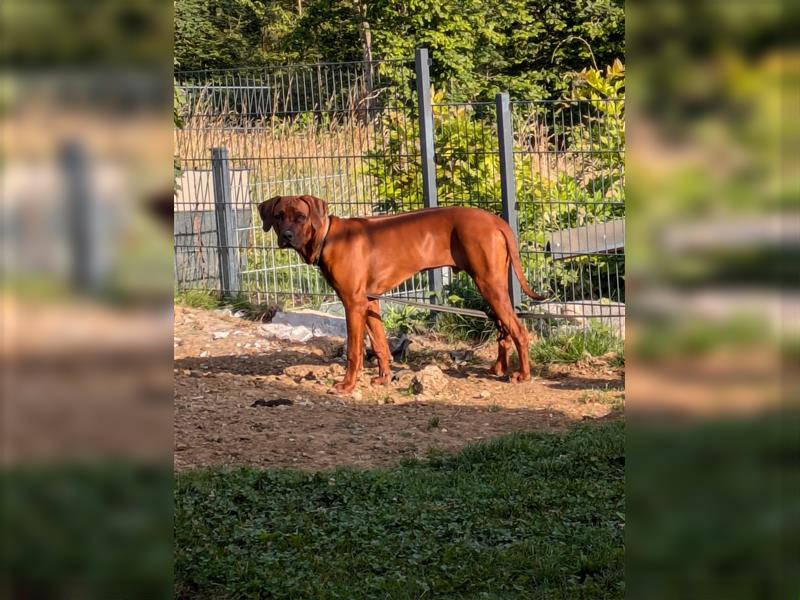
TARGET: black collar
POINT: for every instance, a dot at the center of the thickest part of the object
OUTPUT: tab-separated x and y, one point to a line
322	244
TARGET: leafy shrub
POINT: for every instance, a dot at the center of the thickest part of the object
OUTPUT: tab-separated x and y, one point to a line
197	298
462	293
403	319
572	346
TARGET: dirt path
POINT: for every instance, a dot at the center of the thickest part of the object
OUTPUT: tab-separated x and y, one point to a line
228	374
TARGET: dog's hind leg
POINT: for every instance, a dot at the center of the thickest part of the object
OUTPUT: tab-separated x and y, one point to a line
504	342
495	292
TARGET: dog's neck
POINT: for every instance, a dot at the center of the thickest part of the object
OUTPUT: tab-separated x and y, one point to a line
316	259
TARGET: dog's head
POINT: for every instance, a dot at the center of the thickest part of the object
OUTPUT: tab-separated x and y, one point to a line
297	220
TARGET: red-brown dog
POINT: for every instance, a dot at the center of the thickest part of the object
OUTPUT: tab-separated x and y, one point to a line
361	256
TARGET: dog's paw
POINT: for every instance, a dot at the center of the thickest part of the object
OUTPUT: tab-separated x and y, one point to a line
519	377
380	380
342	388
497	370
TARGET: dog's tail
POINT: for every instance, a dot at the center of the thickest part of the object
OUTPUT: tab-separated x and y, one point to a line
516	262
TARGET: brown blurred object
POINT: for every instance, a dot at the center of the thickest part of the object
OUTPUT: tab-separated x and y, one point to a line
87	383
161	206
86	406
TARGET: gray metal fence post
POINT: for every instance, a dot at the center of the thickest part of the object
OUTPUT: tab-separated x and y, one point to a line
85	254
505	134
430	200
229	276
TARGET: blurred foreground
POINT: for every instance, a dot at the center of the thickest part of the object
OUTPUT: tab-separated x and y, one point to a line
86	288
712	346
712	264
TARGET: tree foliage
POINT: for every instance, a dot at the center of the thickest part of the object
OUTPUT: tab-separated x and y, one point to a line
479	46
212	34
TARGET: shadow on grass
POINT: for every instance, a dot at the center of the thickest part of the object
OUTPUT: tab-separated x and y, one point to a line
584	383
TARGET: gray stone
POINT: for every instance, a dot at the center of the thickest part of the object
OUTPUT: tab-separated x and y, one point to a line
430	380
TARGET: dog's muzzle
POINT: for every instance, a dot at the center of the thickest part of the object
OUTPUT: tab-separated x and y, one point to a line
286	239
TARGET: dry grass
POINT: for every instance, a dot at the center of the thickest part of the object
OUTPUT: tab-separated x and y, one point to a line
285	157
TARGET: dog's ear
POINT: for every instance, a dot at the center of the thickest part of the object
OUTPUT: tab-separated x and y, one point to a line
265	210
318	208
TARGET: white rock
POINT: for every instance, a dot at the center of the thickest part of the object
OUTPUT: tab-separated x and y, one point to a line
320	324
287	332
219	335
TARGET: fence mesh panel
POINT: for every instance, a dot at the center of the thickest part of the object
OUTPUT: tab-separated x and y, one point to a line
569	168
349	133
304	129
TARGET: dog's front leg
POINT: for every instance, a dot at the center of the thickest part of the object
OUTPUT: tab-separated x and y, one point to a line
356	316
377	334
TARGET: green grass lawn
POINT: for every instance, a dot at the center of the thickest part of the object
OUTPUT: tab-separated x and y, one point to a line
525	516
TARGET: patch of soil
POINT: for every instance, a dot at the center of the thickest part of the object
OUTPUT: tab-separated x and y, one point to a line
242	398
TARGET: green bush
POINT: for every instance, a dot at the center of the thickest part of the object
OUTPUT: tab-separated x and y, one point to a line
466	174
198	299
404	319
572	346
462	293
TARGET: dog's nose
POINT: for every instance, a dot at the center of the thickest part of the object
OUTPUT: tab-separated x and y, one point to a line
287	236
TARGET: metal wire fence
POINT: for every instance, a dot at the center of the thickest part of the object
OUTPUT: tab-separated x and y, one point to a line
351	134
570	177
307	129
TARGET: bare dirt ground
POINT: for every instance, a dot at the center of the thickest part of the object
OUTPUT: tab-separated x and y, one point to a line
242	398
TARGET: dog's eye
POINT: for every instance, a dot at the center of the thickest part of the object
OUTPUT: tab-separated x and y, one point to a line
280	216
301	218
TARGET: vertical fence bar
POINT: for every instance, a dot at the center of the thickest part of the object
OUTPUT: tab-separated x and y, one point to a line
227	238
430	200
505	134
